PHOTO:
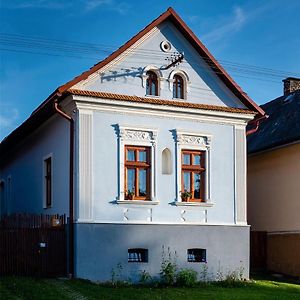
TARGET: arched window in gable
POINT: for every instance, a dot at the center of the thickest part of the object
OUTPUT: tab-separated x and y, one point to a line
151	84
178	87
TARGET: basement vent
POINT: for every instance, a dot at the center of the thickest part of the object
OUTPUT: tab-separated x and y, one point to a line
137	255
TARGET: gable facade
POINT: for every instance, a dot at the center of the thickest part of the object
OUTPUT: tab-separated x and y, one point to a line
138	150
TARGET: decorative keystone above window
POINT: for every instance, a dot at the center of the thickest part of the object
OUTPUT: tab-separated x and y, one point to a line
137	135
202	141
136	139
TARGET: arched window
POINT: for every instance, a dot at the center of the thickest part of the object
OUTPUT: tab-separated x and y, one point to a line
178	87
151	84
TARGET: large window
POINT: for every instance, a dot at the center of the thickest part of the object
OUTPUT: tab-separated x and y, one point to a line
48	182
178	87
193	175
151	84
137	173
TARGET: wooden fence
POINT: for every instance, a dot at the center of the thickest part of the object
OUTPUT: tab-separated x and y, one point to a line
258	250
33	245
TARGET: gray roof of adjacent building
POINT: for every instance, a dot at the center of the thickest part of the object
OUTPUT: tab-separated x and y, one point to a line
281	128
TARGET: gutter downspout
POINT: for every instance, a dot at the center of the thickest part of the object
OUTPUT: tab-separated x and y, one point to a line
71	190
257	123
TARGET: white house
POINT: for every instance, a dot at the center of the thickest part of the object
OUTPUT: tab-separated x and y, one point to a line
157	118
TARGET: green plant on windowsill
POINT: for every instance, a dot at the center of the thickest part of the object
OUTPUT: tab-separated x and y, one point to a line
186	196
130	195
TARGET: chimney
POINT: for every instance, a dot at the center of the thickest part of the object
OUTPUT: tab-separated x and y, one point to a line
290	85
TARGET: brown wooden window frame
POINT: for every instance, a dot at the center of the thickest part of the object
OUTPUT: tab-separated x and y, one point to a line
152	78
48	181
194	169
137	166
178	80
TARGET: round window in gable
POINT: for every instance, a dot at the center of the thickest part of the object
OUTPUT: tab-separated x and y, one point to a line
165	46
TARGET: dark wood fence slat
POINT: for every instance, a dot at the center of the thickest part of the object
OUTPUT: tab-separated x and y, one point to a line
258	250
21	251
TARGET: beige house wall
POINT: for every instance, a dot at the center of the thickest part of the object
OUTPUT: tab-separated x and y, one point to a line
274	190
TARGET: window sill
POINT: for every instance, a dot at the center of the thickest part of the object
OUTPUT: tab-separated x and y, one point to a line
152	96
203	204
138	202
179	99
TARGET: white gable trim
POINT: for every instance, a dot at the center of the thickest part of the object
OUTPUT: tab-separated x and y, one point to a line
93	77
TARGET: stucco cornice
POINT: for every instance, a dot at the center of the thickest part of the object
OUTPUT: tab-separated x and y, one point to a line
145	109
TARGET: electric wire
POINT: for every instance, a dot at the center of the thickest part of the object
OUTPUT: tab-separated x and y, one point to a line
96	48
54	47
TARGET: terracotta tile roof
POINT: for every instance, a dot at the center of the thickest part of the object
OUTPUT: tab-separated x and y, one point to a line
156	101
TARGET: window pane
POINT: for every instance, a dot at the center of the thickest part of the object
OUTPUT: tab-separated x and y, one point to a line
174	90
153	88
143	156
137	255
186	181
130	180
130	155
142	182
197	185
148	92
48	167
186	159
179	90
196	160
48	191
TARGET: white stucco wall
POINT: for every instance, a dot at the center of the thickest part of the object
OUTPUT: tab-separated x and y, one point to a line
25	169
124	75
98	183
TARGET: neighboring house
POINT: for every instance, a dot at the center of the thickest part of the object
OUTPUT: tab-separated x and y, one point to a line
274	180
156	118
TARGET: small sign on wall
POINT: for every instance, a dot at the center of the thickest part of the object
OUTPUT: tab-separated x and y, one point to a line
42	245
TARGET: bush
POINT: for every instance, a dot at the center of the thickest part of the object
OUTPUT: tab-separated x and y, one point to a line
145	278
116	275
186	277
168	268
232	279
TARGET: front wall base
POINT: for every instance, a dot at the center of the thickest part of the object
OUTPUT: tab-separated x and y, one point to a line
102	249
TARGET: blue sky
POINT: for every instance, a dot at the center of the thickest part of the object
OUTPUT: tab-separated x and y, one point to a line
246	32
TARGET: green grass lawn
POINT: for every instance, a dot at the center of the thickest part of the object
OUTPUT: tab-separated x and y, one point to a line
59	289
